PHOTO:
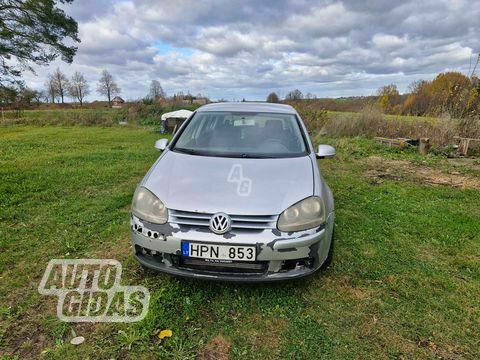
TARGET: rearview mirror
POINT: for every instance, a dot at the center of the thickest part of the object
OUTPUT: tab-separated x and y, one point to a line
161	144
325	152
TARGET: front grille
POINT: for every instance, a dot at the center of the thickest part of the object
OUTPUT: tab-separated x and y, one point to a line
239	268
255	222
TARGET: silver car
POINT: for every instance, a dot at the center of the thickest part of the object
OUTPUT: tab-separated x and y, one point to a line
236	195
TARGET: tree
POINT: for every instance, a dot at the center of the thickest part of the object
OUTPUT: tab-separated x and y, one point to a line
294	95
418	101
273	98
388	97
8	95
78	87
50	89
450	92
156	90
107	86
27	95
34	32
39	96
61	83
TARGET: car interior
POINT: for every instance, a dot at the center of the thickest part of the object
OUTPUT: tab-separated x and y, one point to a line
252	133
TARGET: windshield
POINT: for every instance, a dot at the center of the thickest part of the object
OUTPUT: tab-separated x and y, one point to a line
235	134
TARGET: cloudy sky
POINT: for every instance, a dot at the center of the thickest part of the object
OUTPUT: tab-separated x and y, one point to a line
236	49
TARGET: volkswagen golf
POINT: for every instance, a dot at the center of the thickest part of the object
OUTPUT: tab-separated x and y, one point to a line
236	195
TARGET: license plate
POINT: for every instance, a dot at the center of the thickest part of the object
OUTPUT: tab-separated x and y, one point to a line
219	252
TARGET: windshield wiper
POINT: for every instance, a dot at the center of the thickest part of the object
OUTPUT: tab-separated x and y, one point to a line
245	155
187	151
257	156
224	154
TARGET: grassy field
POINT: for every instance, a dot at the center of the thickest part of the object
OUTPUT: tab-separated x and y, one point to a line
405	282
407	118
137	114
62	117
84	116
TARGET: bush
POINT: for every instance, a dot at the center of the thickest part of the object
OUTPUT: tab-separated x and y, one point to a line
372	122
313	119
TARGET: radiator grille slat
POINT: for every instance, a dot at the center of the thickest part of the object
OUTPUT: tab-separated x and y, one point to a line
253	222
234	268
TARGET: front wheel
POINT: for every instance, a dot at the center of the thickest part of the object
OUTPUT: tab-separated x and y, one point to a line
329	259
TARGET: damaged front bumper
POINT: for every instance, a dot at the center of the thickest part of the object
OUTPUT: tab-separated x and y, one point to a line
280	255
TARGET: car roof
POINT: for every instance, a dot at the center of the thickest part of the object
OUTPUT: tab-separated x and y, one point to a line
248	107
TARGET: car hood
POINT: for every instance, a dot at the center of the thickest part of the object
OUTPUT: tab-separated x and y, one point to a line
236	186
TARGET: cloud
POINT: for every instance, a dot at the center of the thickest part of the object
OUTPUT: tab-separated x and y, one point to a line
247	49
389	41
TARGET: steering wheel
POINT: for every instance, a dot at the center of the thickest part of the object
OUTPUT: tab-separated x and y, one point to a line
274	142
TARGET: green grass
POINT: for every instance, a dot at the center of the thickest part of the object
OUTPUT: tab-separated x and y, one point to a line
407	118
405	282
38	114
63	117
134	113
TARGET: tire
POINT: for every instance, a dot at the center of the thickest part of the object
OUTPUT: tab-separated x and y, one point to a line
329	259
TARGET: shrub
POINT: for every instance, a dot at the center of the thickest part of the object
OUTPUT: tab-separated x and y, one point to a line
314	120
372	122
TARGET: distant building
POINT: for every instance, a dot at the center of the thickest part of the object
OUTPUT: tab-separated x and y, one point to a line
117	102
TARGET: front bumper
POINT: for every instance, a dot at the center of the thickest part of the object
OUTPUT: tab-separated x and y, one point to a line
280	255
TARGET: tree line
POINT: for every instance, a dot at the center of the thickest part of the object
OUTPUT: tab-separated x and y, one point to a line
58	87
451	93
293	95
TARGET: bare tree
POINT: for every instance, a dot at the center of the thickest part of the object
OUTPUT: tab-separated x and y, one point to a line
107	86
27	95
39	96
156	90
294	95
61	83
50	90
78	87
272	98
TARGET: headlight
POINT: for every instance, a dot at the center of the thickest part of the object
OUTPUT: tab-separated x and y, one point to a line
306	214
148	207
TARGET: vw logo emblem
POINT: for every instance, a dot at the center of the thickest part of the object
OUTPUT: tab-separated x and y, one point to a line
220	223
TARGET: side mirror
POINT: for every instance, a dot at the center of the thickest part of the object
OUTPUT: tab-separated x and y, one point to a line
161	144
325	152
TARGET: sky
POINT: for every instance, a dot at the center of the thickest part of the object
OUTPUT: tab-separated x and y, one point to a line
246	49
